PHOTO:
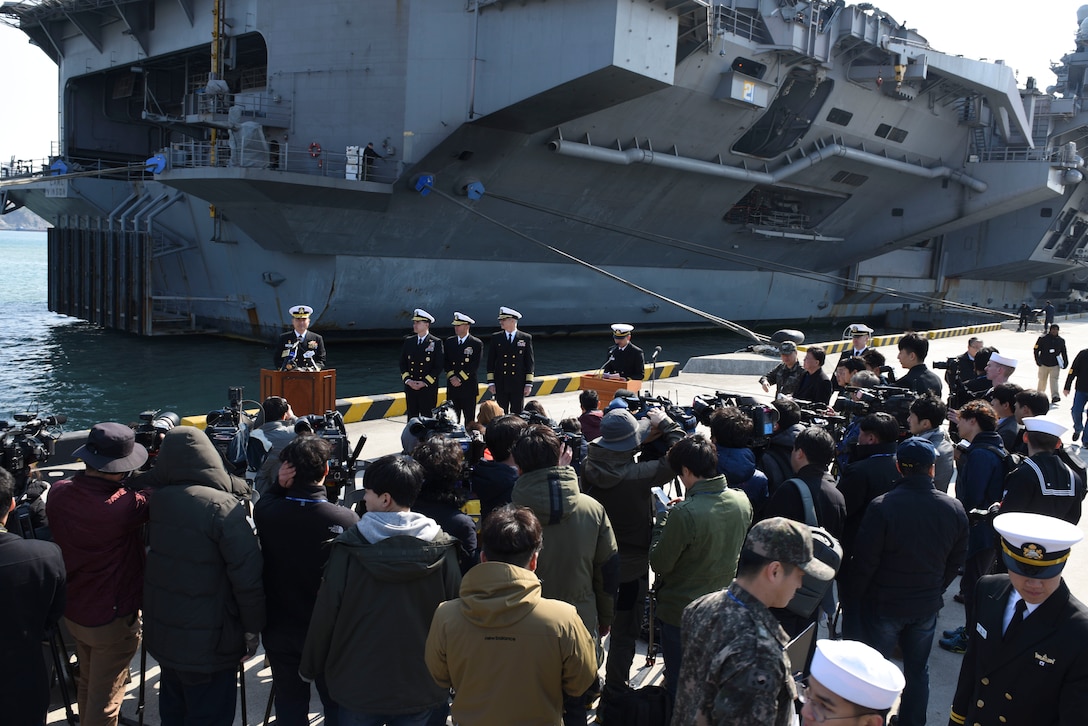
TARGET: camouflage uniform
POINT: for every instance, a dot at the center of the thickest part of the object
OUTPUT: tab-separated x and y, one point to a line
785	378
735	668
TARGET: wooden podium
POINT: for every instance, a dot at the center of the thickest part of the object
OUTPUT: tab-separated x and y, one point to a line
606	387
307	391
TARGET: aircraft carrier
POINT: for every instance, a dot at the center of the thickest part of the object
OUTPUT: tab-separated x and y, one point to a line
663	162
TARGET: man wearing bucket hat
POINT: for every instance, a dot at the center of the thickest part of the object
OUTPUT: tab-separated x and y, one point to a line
735	668
613	477
1027	661
1043	483
624	359
300	347
849	680
98	523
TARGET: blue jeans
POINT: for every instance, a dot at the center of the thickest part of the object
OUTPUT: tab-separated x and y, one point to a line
293	693
354	718
1079	399
673	652
915	638
197	699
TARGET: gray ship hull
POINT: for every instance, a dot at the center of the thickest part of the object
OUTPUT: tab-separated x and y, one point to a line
709	157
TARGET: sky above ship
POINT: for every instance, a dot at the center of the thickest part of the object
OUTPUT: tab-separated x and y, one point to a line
1028	37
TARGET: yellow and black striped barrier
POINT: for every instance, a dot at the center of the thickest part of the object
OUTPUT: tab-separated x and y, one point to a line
882	340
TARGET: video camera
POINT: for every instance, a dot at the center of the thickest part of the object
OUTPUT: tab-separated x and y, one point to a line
639	406
569	438
331	428
149	432
763	416
29	440
442	423
891	400
228	428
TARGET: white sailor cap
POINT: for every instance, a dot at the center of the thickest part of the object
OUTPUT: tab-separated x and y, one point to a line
1045	425
422	315
621	330
1003	360
857	673
1035	545
505	312
462	319
859	329
301	311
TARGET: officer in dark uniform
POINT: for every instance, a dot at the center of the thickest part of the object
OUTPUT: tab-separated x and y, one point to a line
463	354
510	362
1027	657
860	334
299	349
421	362
624	360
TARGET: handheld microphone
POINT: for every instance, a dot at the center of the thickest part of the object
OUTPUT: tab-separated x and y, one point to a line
289	360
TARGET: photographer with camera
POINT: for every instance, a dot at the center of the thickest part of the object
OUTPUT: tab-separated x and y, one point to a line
204	603
32	591
295	522
774	460
614	477
277	431
98	522
979	485
581	564
731	432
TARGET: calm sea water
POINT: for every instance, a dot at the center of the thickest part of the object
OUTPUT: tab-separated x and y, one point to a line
59	365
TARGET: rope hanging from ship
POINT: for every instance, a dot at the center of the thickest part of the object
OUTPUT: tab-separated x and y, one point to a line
755	262
709	317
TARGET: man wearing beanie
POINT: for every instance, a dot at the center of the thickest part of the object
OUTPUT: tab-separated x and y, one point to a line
913	541
849	680
1027	659
735	669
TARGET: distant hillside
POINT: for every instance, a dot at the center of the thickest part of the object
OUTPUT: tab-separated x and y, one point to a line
22	219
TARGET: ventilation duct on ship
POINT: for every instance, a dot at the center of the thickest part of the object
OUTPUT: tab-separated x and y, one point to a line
696	166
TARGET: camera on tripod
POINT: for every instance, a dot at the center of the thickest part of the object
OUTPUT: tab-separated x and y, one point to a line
331	428
891	400
763	416
639	406
228	428
150	431
442	423
28	441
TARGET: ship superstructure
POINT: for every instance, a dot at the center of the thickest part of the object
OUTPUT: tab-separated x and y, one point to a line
756	159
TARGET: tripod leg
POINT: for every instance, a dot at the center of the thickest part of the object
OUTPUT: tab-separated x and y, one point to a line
56	644
242	688
143	681
271	700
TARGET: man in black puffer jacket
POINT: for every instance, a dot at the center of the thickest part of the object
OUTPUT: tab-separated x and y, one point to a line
203	595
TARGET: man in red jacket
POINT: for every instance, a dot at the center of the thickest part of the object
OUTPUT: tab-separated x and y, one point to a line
98	523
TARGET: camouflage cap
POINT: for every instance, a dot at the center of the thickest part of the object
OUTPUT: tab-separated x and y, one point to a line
785	540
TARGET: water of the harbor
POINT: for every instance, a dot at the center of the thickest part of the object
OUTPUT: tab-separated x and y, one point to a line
59	365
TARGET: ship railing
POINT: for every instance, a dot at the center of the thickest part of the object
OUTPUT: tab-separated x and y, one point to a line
21	168
1021	153
72	165
313	160
254	106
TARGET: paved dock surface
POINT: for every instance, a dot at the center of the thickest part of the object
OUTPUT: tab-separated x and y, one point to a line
383	437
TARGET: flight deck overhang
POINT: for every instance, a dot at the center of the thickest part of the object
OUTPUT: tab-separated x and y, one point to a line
48	22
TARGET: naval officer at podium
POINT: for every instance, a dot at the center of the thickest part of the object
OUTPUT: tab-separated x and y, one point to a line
299	348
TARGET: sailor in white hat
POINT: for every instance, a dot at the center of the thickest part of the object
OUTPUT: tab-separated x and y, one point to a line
510	363
859	335
421	362
299	348
849	680
625	361
1000	368
463	354
1025	662
1043	483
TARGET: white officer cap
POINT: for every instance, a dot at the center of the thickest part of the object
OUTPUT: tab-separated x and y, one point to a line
621	330
462	319
859	329
1045	425
301	311
422	315
505	312
1003	360
1035	545
857	673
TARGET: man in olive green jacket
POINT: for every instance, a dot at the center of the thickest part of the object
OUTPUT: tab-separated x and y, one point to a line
696	543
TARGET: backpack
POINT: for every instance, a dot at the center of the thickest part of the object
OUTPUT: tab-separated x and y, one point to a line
646	706
825	548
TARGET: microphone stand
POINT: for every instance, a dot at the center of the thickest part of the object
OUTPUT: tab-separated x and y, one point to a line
606	361
653	369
